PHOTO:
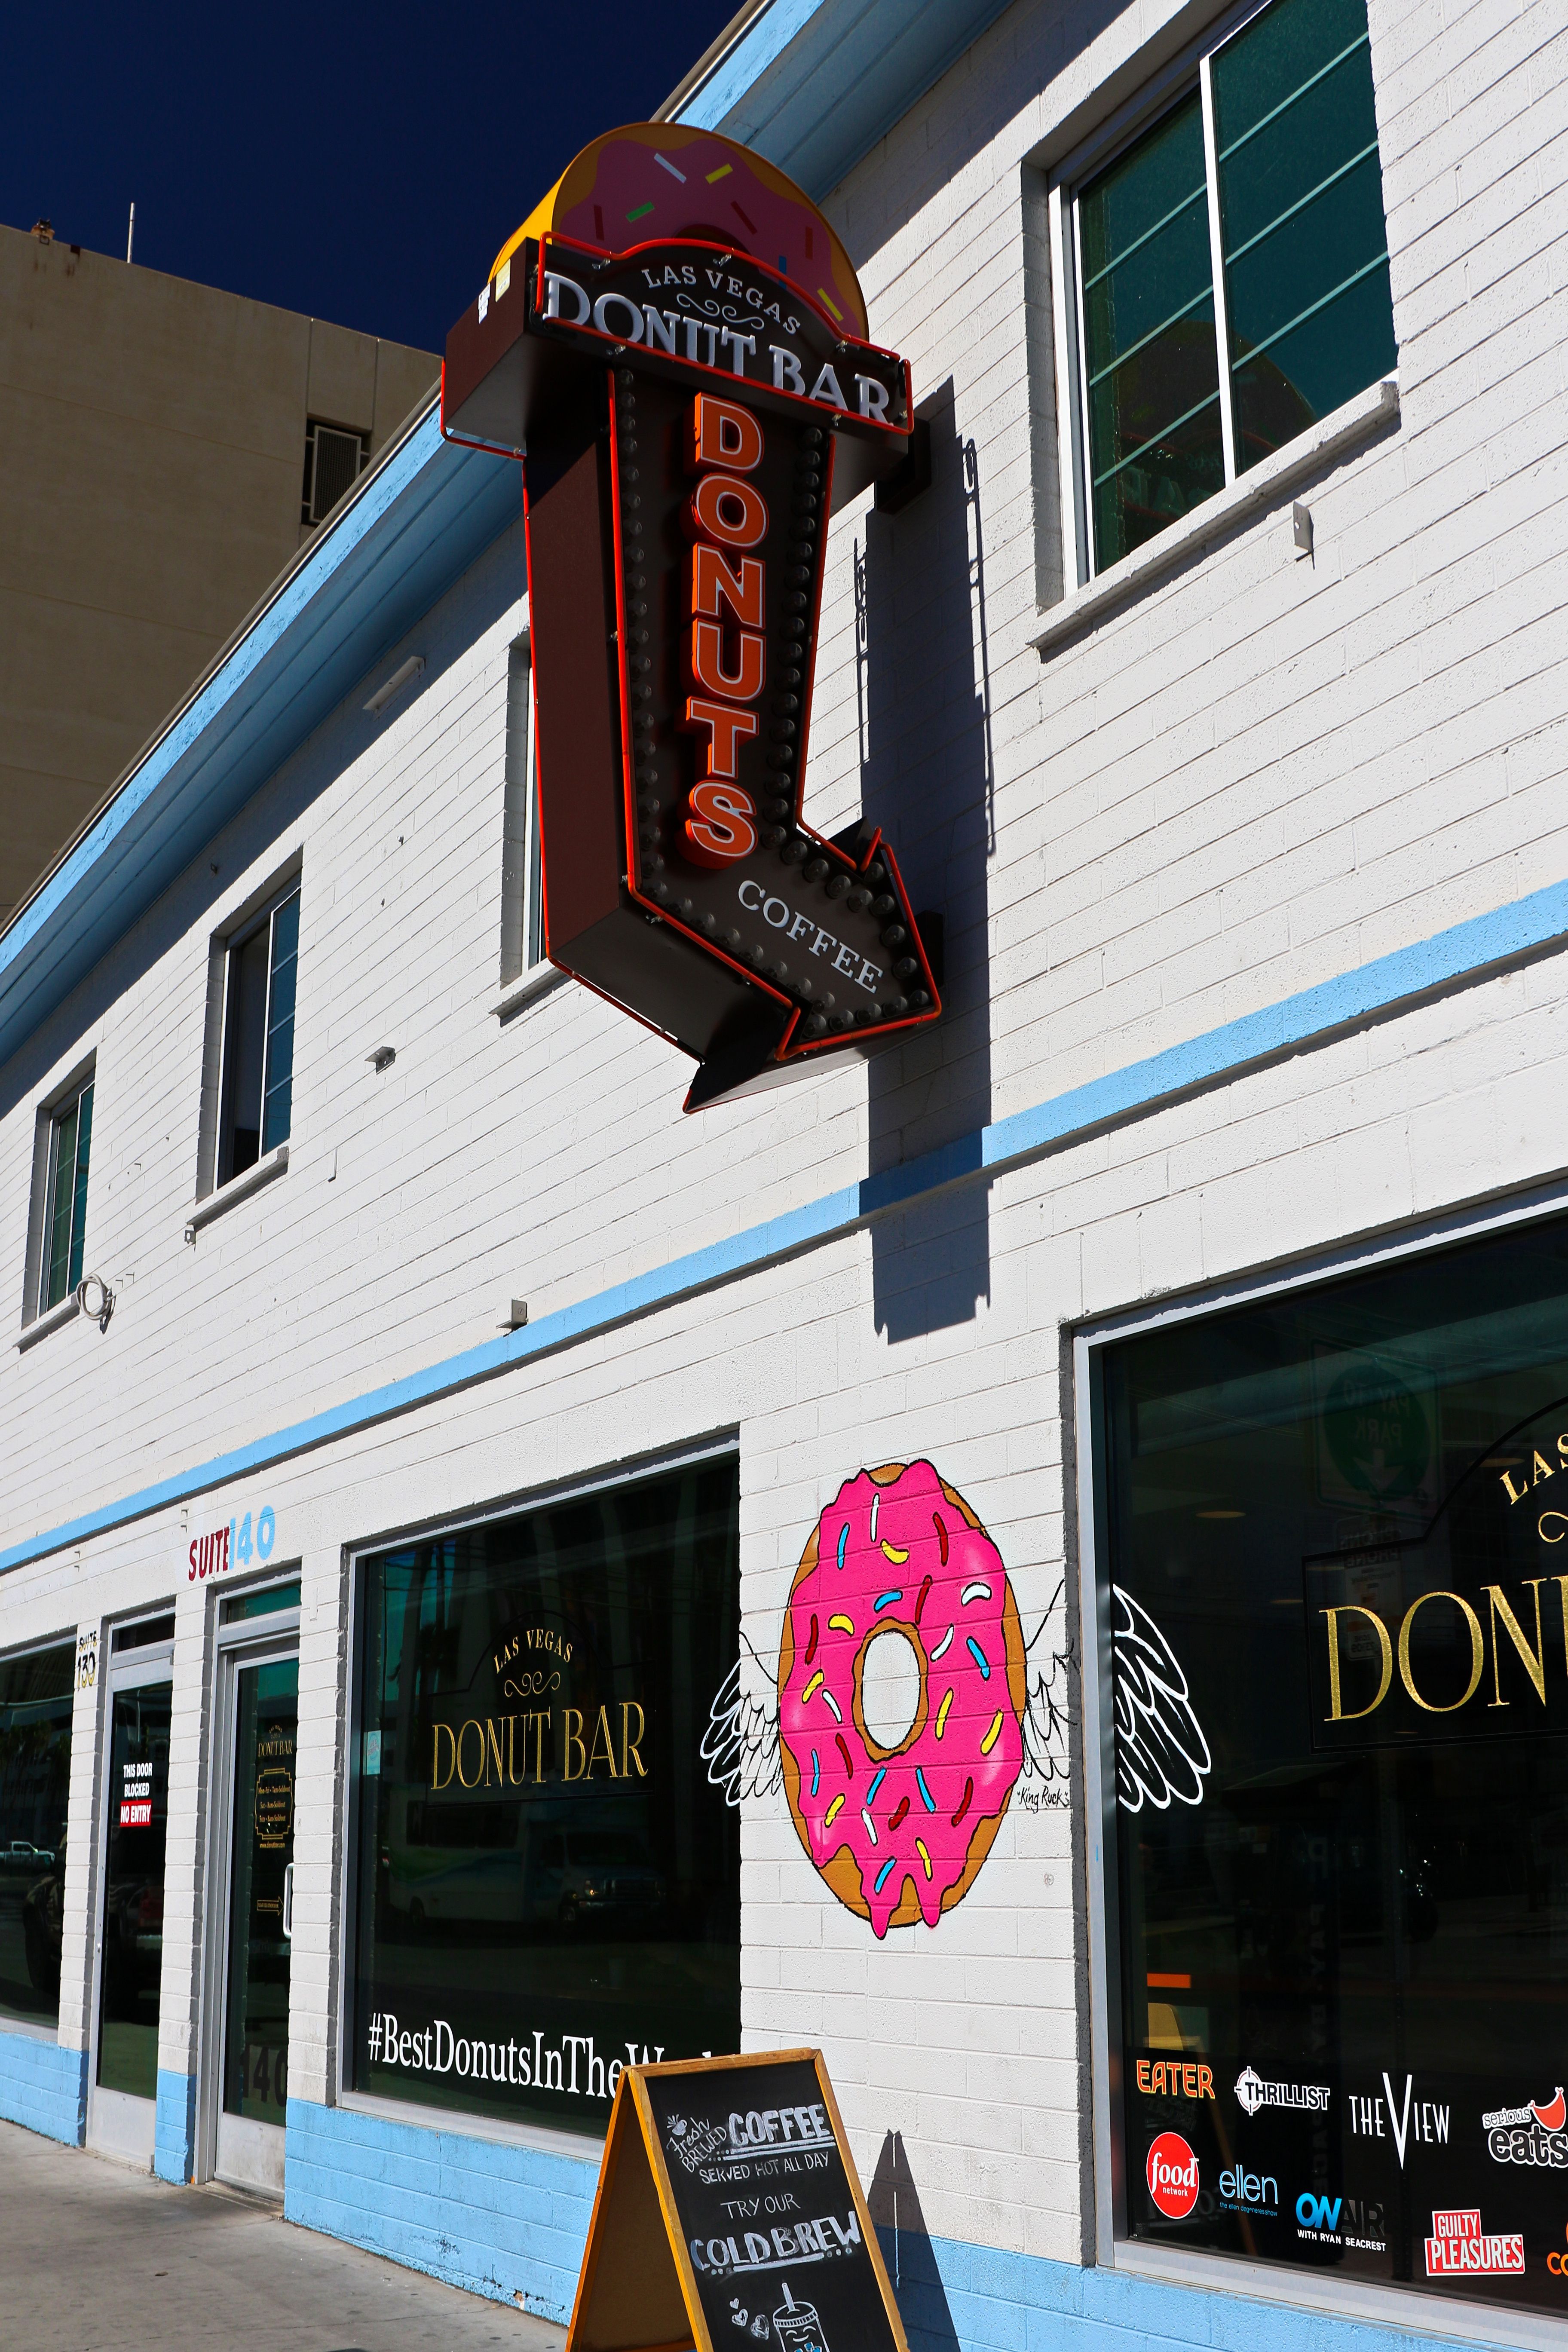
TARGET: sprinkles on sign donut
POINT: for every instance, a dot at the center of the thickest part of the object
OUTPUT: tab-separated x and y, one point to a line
899	1833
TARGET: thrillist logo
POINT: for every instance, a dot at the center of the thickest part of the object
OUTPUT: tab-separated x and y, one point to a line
1252	2093
1172	2171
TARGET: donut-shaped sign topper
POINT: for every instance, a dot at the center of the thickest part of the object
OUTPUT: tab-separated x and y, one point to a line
675	345
649	182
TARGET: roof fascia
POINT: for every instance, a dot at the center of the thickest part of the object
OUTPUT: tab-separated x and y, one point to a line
419	521
814	84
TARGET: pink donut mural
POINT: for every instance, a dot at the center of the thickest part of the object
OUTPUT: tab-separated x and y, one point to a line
900	1830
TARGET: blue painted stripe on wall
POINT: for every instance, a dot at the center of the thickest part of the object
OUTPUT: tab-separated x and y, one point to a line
174	2127
44	2087
950	2294
512	2223
1457	955
499	2219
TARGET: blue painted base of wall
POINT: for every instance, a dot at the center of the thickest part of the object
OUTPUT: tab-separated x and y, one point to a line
44	2087
954	2295
512	2223
508	2222
175	2128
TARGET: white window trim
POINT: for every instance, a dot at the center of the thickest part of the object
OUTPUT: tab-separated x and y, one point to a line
533	982
243	932
1190	68
64	1311
271	1165
37	1321
522	971
1311	2291
1343	429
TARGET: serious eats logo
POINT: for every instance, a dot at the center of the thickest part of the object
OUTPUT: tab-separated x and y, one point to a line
1531	2134
1171	2173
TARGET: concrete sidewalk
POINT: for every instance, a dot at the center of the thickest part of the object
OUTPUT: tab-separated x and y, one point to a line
94	2258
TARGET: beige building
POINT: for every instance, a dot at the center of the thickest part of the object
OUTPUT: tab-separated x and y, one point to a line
166	447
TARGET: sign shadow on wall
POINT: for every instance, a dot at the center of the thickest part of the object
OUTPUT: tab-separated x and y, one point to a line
894	2206
923	688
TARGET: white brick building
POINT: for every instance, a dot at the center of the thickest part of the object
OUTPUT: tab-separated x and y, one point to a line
1241	795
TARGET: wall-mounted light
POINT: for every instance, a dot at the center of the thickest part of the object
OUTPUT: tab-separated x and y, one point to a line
413	667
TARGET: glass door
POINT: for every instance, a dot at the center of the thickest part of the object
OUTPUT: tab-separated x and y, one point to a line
131	1923
263	1709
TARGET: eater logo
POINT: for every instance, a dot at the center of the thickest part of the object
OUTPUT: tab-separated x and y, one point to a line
1173	2176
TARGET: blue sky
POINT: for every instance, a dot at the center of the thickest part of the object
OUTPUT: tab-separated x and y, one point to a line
362	163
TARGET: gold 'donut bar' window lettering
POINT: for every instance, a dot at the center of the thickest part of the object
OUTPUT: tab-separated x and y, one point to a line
1336	1543
547	1879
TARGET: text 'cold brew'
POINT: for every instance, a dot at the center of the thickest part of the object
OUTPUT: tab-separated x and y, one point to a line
674	342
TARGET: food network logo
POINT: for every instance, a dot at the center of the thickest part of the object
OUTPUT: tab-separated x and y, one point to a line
1252	2093
1532	2133
1171	2173
1459	2248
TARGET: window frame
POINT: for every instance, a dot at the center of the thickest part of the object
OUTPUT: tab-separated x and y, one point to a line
67	1638
55	1106
523	963
68	1108
309	520
1190	69
551	2138
1114	2249
232	942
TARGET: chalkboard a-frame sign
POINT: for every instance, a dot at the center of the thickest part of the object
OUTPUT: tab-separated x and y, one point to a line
729	2218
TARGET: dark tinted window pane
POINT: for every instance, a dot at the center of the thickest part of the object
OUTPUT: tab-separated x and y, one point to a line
255	2042
277	1099
1342	1711
242	1606
549	1884
1311	317
78	1185
62	1199
35	1775
1153	367
244	1055
133	1890
144	1634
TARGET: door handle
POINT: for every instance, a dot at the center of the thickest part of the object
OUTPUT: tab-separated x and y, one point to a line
288	1902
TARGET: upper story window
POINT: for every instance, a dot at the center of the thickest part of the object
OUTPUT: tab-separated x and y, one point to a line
64	1198
1192	370
256	1089
336	455
523	920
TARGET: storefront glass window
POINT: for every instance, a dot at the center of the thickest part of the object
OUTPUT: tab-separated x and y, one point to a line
35	1778
1334	1531
548	1883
